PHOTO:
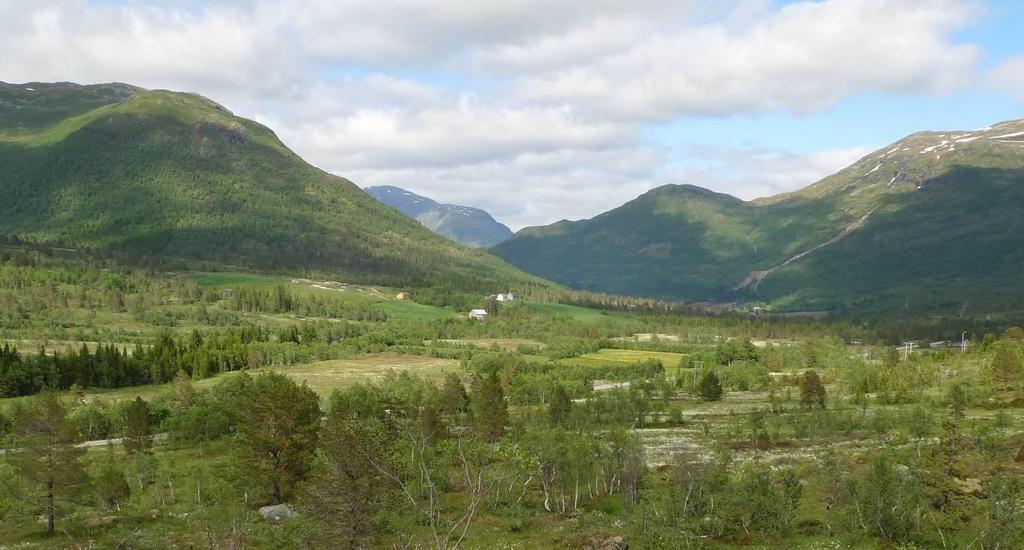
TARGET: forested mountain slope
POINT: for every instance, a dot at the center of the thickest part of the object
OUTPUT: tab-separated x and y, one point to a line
933	221
463	224
159	174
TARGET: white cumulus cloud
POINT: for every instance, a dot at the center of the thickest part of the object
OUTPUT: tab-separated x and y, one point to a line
1009	75
534	109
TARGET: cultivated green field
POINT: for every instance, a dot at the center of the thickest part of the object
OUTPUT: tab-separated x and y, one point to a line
576	312
400	309
231	280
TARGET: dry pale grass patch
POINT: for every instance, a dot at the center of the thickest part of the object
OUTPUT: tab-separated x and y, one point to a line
325	376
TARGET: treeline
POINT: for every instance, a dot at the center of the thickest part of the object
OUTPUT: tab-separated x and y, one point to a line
533	383
111	367
613	302
107	367
199	355
281	300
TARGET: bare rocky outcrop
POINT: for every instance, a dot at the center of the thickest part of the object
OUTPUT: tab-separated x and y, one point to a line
276	512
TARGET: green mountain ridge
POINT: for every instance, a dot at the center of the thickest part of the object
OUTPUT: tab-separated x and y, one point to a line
934	221
161	174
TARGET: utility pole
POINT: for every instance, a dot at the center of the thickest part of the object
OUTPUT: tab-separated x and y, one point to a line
907	349
699	365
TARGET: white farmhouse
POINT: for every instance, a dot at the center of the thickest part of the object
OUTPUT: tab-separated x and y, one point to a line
478	314
506	297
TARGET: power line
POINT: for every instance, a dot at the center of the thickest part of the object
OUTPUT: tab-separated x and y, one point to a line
907	348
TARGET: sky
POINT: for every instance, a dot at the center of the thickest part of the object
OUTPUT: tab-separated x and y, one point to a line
539	110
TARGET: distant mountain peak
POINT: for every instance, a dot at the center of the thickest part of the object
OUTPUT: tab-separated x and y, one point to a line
908	164
677	189
464	224
934	220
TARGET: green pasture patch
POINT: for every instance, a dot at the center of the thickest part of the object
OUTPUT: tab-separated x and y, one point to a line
575	312
223	280
625	357
506	344
405	310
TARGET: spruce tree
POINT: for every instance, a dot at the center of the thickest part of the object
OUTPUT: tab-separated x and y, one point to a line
490	412
137	434
956	400
453	397
560	407
812	391
710	388
1006	363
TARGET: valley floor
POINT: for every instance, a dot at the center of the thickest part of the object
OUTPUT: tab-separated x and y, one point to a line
548	425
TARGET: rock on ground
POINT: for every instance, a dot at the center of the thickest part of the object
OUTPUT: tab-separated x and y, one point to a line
276	512
599	542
